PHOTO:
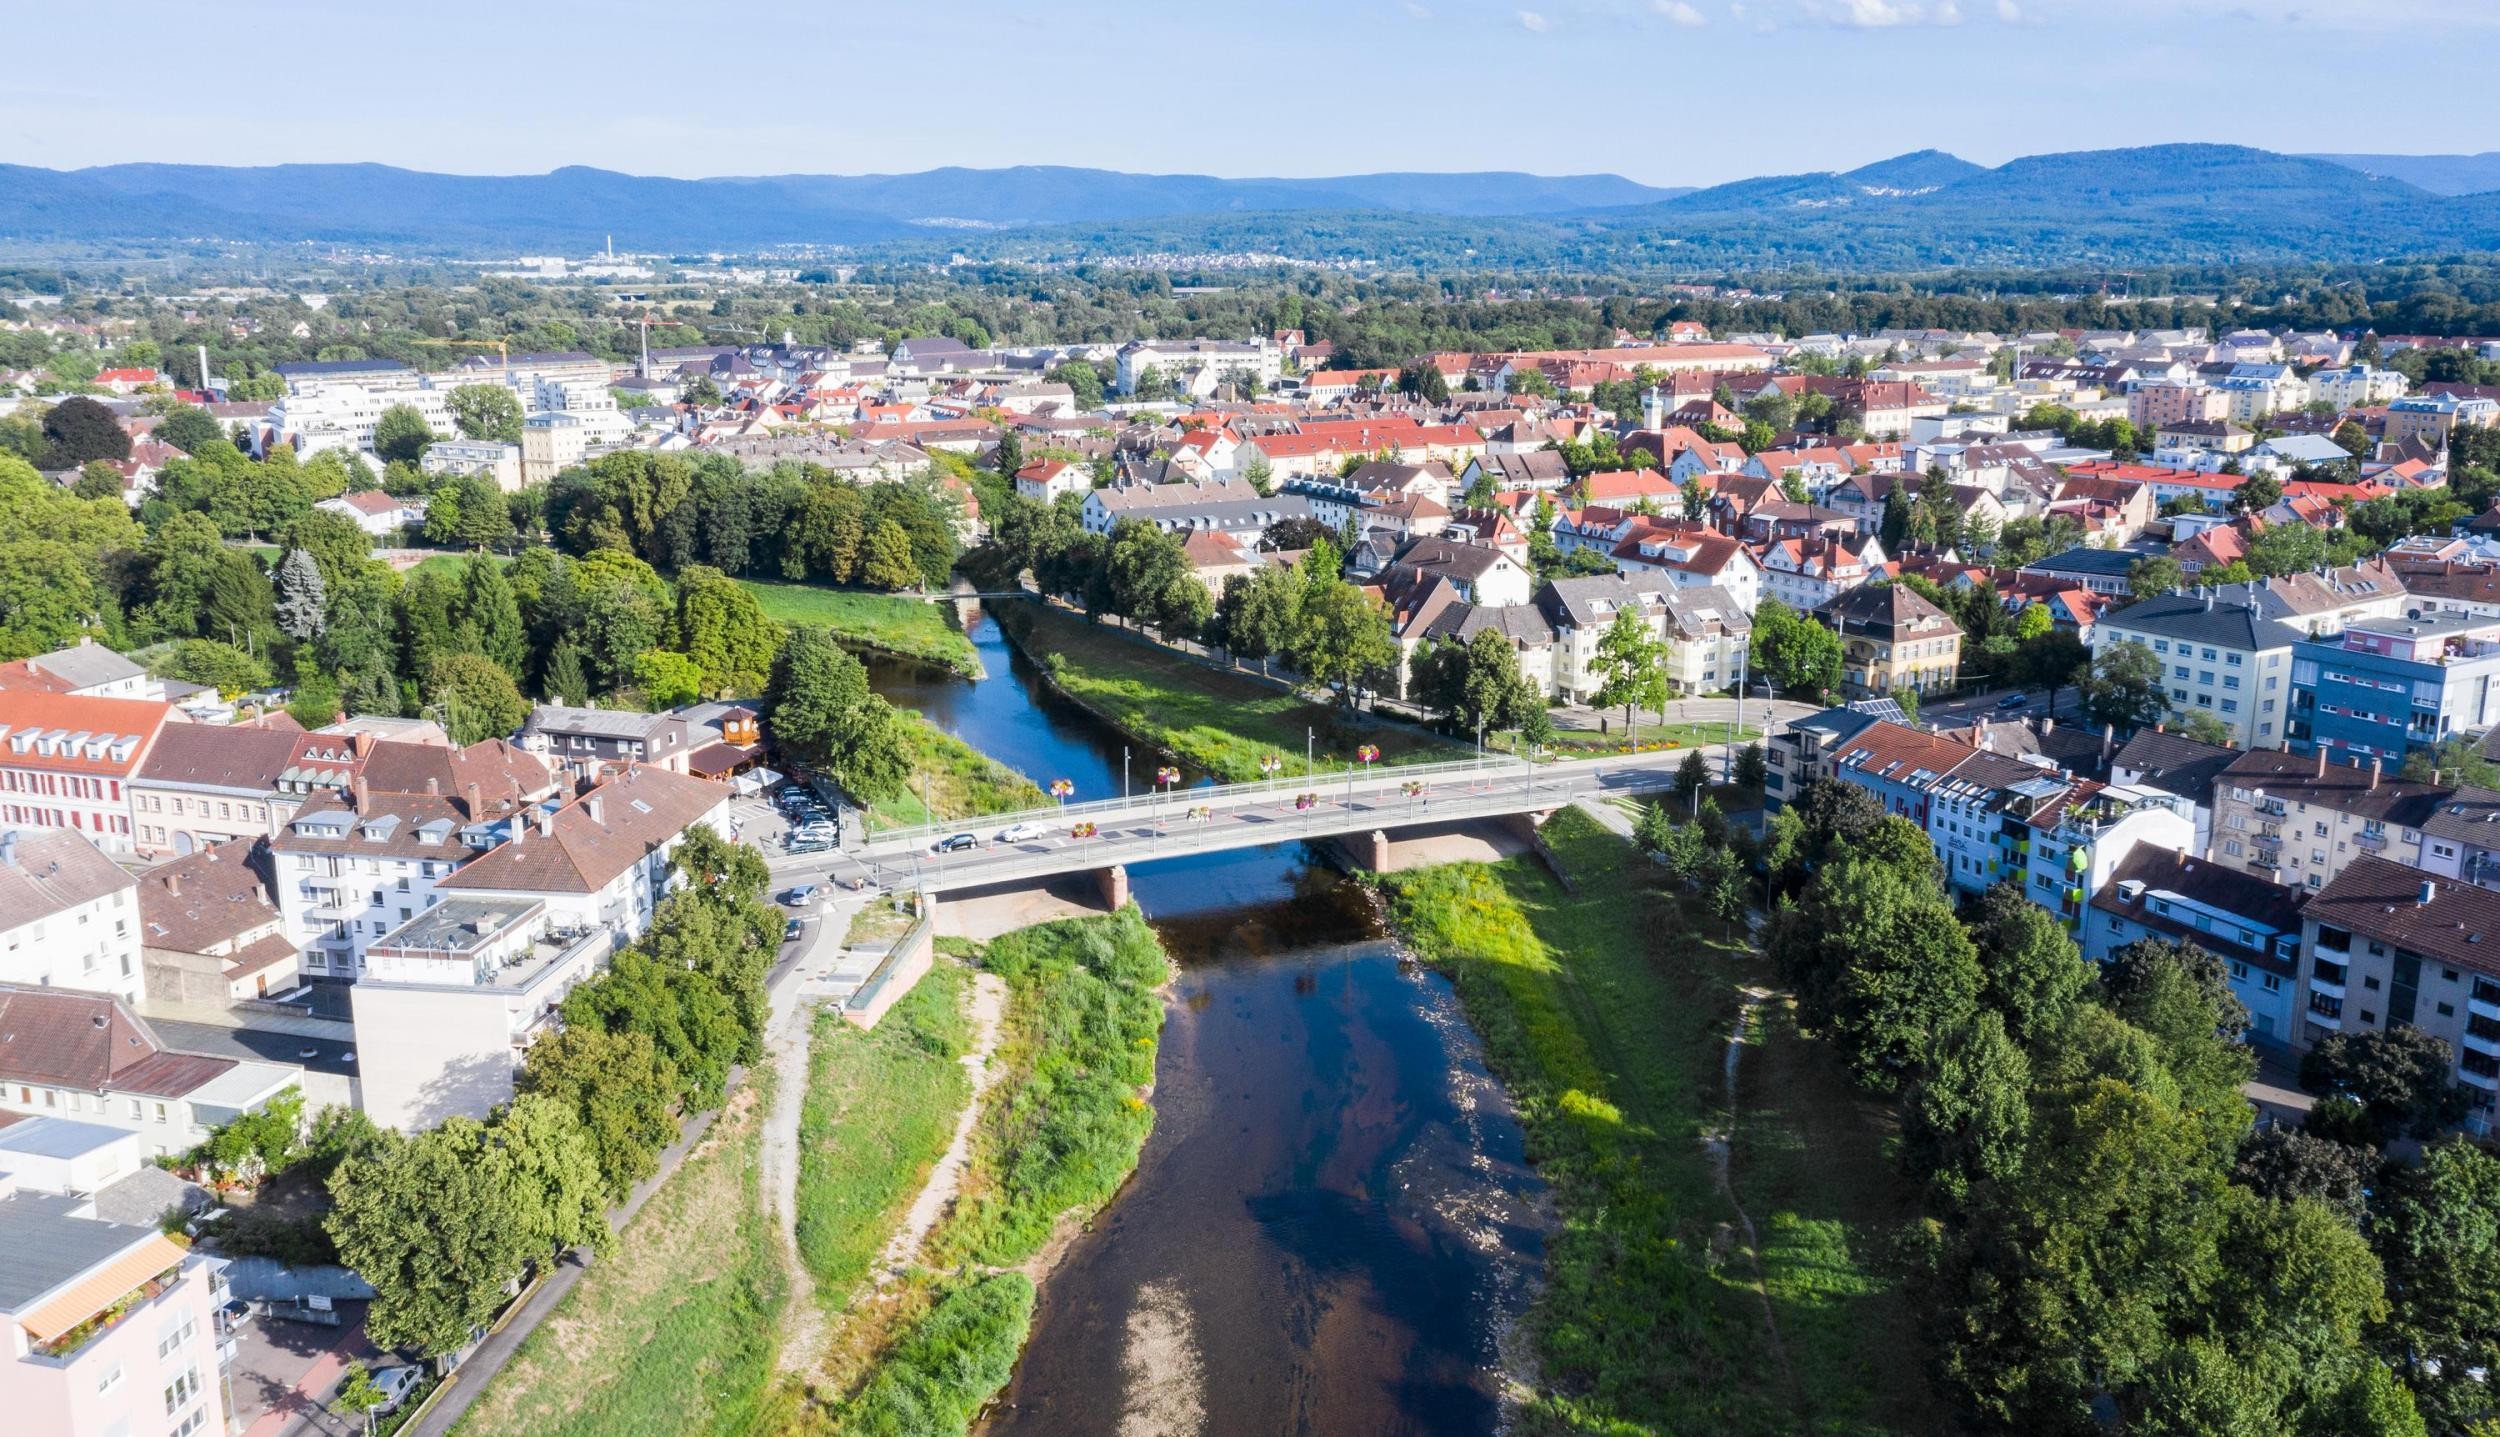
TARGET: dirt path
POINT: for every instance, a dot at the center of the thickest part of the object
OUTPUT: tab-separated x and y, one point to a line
793	1027
1718	1144
989	1006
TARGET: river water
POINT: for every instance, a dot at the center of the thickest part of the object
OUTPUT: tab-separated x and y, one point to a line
1332	1227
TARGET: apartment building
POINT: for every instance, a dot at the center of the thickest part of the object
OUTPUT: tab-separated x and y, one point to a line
2251	924
204	785
210	930
1892	639
2078	840
336	404
2299	820
2461	838
2388	945
460	458
583	740
112	1328
66	761
1198	364
69	916
2219	655
2382	688
451	998
91	1057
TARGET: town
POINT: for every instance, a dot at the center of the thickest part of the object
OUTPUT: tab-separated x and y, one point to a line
849	780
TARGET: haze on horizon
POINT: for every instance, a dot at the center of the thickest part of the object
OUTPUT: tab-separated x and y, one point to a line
1666	92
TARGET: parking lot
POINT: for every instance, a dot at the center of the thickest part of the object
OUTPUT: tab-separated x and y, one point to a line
792	819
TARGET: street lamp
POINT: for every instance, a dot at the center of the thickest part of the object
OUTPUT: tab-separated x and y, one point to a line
1367	753
1124	775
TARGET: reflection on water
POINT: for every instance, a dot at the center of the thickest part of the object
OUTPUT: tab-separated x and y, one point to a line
1332	1223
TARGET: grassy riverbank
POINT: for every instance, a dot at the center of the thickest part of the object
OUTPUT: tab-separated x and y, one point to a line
913	628
1221	722
1064	1125
948	1366
1608	1017
880	1107
1580	743
960	781
675	1333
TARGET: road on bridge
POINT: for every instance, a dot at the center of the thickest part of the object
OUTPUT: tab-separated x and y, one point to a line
1208	820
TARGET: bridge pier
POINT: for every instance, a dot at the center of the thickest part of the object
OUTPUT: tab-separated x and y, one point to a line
1376	852
1113	882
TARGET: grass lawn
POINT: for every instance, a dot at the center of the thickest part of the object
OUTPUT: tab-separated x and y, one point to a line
914	628
674	1335
1608	1021
961	781
1062	1129
880	1107
945	1367
450	566
1221	722
1650	735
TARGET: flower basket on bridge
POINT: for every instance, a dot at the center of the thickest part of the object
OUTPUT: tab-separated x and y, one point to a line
1201	813
1083	830
1303	801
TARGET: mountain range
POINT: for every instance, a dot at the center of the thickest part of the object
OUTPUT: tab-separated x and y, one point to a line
2172	203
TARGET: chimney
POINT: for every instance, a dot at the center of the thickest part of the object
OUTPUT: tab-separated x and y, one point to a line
2321	760
433	788
2430	890
593	806
2374	773
547	821
470	793
173	884
356	788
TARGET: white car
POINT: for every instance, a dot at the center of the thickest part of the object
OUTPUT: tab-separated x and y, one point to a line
1021	832
395	1383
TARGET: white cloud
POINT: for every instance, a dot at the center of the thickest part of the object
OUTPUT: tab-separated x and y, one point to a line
1948	13
1532	21
1867	14
2009	12
1677	12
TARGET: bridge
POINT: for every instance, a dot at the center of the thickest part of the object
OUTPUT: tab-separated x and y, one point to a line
1107	835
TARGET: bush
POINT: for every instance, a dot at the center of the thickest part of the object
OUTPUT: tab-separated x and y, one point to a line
946	1369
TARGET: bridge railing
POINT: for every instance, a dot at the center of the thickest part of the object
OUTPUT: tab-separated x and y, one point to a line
1286	781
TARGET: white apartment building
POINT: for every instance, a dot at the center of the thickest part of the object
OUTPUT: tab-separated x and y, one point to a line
1177	359
459	458
337	405
2357	386
69	916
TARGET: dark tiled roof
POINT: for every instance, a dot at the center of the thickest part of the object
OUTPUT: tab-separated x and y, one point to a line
2175	763
2228	621
2457	923
91	1041
50	870
213	896
2300	778
638	811
2264	904
2470	815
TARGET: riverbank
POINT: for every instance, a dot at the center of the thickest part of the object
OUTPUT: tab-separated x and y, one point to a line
1063	1115
896	624
958	780
1209	718
1609	1022
675	1334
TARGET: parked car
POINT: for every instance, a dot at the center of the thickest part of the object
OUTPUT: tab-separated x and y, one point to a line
1021	832
395	1383
790	931
319	1311
955	843
801	896
795	844
2014	701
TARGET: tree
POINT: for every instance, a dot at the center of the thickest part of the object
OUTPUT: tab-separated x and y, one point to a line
1797	654
1341	638
1691	776
619	1089
667	678
2122	686
2285	1163
1010	456
2451	761
485	412
2352	438
79	429
1631	660
1084	382
48	598
486	615
886	561
2436	1227
401	435
1965	1120
357	1395
1753	769
302	597
823	710
2399	1076
223	667
98	479
1876	959
477	697
438	1226
555	1167
2257	493
2033	972
2151	578
567	680
726	632
187	427
482	520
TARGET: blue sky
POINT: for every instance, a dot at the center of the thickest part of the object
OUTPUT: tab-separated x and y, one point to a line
1664	91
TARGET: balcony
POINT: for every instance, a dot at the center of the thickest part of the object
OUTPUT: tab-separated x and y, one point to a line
2488	1084
2369	842
2271	807
2478	1043
2479	1006
2325	986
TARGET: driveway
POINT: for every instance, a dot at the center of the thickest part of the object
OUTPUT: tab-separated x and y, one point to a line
285	1372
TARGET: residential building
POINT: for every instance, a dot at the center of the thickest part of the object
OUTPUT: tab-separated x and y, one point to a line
2299	819
89	1056
1892	639
2157	403
2461	838
1708	636
2176	764
2384	687
451	998
202	785
86	670
381	515
69	917
2206	436
2430	418
1978	813
1806	750
1230	506
210	930
113	1328
450	458
336	404
2219	655
584	740
2078	840
2388	945
2251	924
2100	570
67	761
1197	366
552	442
1806	574
1044	480
2357	386
1486	577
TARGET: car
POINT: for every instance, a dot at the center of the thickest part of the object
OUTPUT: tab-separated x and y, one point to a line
2014	701
395	1383
233	1313
806	845
955	843
1021	832
791	930
801	896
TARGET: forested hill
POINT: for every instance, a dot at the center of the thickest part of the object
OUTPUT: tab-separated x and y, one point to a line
2165	204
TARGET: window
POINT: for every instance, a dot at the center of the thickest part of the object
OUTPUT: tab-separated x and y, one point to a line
110	1378
2447	1010
2368	1017
181	1390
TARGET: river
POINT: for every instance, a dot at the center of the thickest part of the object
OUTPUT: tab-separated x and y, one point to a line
1332	1228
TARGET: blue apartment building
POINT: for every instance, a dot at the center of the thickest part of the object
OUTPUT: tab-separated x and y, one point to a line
2384	687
